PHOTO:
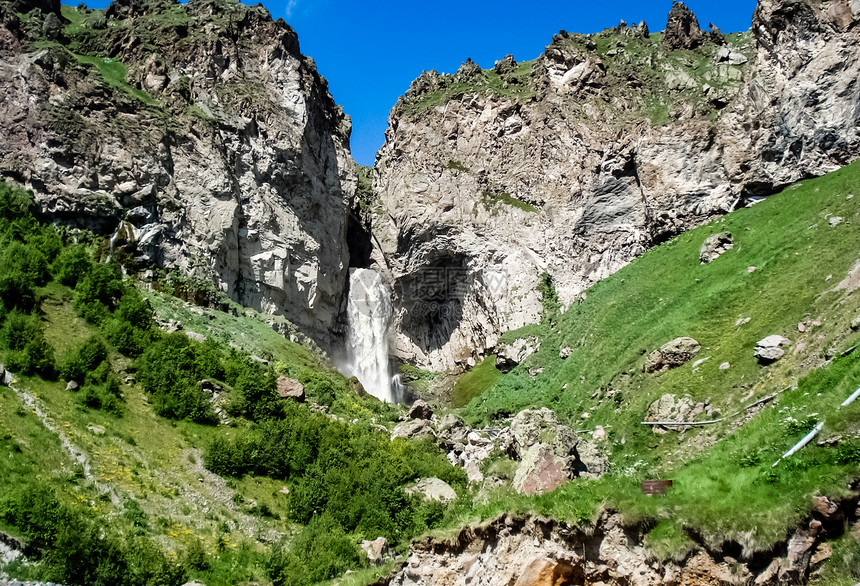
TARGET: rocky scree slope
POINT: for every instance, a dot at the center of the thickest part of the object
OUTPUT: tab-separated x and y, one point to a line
197	133
606	144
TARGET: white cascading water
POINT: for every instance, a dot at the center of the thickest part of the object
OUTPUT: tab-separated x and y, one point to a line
368	317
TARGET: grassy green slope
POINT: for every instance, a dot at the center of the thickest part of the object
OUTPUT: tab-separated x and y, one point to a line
725	486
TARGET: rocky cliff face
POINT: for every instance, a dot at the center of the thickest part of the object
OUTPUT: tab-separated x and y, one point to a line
535	551
197	133
605	145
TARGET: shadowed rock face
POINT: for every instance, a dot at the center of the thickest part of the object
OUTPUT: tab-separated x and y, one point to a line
604	146
221	147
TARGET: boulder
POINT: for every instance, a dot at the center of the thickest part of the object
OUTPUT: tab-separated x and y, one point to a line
420	410
855	324
541	426
540	471
550	453
682	29
768	349
544	571
672	354
356	386
290	388
726	55
672	408
72	386
376	550
510	355
433	489
714	246
414	428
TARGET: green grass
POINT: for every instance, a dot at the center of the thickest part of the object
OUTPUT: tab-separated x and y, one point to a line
475	382
114	74
493	199
728	491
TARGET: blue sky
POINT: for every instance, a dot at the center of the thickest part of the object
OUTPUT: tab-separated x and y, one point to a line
371	51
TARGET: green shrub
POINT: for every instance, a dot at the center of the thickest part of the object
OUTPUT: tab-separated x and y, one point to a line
27	351
72	264
27	259
99	292
84	360
14	203
78	550
17	290
102	390
321	551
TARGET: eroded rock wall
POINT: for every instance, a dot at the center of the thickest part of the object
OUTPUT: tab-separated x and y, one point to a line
203	128
605	145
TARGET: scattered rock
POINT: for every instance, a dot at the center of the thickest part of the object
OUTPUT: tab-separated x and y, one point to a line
801	327
73	386
682	30
420	410
414	428
800	548
433	489
725	366
855	324
543	571
835	220
290	388
672	354
726	55
671	408
714	246
751	269
376	550
96	429
565	352
195	336
826	508
510	355
768	349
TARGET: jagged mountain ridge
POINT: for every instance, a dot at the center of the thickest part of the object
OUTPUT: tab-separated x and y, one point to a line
602	147
198	133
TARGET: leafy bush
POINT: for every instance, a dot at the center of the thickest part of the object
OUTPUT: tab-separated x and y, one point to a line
72	264
353	473
168	370
321	551
14	203
84	360
102	390
22	336
99	292
17	290
77	550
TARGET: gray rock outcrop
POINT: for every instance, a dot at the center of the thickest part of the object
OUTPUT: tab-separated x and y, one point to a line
672	354
768	349
550	453
714	246
433	489
682	30
224	143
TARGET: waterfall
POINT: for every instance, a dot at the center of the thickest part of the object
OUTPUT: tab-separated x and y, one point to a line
368	316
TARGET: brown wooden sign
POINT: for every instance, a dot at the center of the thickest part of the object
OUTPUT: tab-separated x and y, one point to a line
653	486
